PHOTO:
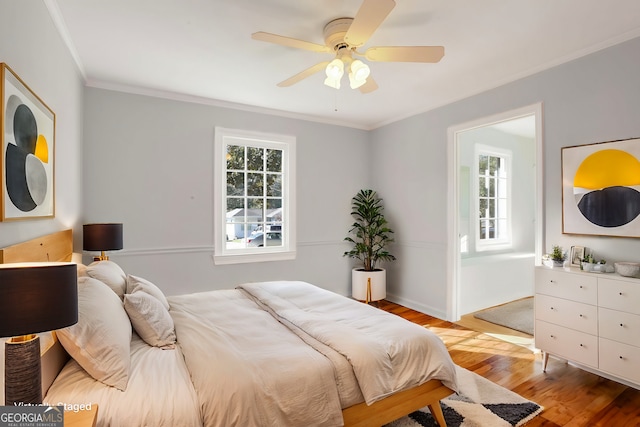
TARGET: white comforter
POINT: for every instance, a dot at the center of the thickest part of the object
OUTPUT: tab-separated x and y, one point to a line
248	369
387	353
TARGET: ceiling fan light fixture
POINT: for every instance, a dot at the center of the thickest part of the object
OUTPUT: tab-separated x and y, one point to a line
334	71
331	82
358	74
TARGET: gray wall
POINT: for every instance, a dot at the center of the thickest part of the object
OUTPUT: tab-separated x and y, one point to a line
31	46
595	98
150	166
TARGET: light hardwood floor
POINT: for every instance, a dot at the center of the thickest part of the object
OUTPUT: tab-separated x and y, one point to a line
570	396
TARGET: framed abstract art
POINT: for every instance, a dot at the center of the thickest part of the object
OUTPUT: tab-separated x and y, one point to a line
27	158
601	189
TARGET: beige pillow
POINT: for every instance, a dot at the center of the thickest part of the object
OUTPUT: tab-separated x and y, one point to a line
150	319
135	284
111	274
101	340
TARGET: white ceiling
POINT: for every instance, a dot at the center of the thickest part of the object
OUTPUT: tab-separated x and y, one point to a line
202	50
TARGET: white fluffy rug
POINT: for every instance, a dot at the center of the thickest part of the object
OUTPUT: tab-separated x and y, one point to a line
479	403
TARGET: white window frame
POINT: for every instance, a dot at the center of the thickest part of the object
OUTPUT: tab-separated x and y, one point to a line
286	143
493	244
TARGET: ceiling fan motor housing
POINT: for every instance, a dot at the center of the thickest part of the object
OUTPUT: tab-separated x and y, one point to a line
335	31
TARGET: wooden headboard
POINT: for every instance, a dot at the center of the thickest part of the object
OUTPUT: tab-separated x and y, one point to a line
52	247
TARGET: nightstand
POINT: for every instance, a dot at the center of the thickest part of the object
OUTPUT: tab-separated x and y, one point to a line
84	418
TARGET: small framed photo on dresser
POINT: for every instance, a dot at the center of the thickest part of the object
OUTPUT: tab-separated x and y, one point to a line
577	255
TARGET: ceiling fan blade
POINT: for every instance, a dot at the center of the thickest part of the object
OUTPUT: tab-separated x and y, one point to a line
369	86
288	41
405	53
304	74
367	20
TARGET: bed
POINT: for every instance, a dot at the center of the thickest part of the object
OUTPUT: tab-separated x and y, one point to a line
271	353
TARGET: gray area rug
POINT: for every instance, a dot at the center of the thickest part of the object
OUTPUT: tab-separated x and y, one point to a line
516	315
479	402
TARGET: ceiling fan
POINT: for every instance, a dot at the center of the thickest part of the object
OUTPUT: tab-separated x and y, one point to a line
343	36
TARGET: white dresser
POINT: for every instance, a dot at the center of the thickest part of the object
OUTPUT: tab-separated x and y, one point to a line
592	319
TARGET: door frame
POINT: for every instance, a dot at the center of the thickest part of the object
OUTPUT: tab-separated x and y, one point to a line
453	193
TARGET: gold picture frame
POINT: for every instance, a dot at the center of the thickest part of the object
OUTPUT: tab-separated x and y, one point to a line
27	136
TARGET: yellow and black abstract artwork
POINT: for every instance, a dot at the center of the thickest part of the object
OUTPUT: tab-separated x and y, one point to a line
601	188
28	130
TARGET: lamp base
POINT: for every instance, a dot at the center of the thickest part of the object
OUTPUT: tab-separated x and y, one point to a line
102	257
22	377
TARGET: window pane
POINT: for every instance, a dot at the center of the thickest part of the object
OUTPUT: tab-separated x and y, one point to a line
273	204
482	187
483	208
494	164
255	160
492	187
274	238
483	163
274	185
255	184
235	184
483	230
492	208
274	160
234	203
255	211
235	157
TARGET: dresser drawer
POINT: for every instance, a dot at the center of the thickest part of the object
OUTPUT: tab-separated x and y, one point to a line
573	315
619	326
574	286
621	360
567	343
619	295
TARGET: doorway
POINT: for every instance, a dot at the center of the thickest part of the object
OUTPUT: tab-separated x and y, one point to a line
467	258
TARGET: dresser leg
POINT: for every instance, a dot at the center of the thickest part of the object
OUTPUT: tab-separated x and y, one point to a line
545	360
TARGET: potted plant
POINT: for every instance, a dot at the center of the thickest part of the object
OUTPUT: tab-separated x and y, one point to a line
556	258
371	235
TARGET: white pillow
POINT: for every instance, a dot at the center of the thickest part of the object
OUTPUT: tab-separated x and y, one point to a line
135	284
82	270
150	319
111	274
101	340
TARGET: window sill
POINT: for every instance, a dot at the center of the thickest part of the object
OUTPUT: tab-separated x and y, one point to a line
252	258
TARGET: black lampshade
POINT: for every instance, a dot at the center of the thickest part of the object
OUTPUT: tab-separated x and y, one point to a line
37	297
102	237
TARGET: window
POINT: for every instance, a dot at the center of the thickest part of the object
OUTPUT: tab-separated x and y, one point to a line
254	207
493	199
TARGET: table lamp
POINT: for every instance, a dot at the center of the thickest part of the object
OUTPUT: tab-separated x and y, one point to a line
102	237
34	297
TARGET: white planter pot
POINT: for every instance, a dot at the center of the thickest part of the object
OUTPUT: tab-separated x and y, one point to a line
360	280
